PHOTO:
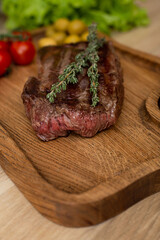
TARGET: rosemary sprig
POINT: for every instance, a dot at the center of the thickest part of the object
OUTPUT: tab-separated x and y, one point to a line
88	57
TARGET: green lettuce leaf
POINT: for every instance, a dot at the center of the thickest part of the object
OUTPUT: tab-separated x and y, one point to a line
121	15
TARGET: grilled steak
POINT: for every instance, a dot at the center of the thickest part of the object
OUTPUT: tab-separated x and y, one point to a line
72	110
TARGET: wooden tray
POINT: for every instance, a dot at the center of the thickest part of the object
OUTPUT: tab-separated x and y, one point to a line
77	181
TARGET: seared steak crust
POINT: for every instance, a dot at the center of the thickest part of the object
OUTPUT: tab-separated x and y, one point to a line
72	109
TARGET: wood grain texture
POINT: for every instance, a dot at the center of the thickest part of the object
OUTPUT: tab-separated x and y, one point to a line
102	176
19	220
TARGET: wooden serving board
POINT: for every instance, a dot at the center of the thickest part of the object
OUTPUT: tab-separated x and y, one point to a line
76	181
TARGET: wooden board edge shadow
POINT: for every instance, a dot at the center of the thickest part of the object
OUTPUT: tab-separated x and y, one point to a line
70	209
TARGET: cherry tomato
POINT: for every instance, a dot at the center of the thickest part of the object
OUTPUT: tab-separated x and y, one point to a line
26	36
4	45
22	52
5	61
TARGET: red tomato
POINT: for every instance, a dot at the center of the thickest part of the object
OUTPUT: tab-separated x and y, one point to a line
25	35
4	45
22	52
5	61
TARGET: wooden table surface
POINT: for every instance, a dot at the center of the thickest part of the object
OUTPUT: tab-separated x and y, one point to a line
20	221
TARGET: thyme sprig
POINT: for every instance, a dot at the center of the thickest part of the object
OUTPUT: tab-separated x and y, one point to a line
93	46
68	76
88	58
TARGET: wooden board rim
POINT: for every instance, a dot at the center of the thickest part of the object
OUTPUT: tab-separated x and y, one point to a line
76	196
78	201
72	200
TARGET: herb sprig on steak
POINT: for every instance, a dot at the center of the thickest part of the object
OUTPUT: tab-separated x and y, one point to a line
87	58
72	110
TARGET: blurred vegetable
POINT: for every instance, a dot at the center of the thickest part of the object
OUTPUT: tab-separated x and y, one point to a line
70	32
4	45
5	61
120	15
22	52
59	37
49	31
43	42
61	24
76	27
14	46
72	39
84	36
